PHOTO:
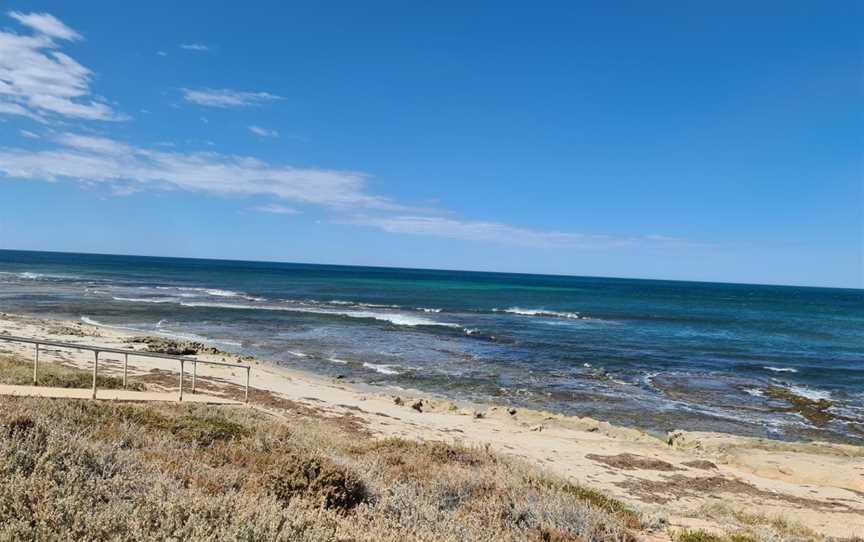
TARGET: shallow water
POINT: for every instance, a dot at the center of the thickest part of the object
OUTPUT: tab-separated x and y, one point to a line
651	354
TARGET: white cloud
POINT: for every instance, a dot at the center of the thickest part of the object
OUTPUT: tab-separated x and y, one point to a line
194	47
276	209
123	166
29	135
226	98
495	232
46	24
161	53
263	132
38	80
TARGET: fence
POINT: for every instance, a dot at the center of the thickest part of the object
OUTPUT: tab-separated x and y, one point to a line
126	353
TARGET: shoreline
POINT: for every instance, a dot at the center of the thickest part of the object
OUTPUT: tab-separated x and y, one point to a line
818	484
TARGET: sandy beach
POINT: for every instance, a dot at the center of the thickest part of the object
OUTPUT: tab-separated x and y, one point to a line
689	479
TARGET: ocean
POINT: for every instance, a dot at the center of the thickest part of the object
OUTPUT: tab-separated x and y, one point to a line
655	355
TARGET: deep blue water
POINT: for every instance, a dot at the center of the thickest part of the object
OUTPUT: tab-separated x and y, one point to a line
651	354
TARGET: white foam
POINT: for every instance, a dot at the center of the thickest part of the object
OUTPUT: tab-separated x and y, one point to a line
814	395
296	354
383	369
337	360
394	318
215	292
780	369
755	392
542	313
145	299
424	309
29	275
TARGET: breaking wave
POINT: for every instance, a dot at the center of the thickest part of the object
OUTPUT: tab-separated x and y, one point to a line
542	313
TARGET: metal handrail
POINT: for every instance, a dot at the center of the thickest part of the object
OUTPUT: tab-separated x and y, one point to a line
126	353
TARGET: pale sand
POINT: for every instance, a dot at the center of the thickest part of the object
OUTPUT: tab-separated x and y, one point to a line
819	485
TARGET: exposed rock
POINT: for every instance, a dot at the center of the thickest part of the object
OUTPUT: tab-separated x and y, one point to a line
418	405
813	410
174	348
398	401
73	330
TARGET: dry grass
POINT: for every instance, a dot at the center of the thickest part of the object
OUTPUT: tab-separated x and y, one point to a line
81	470
17	371
743	526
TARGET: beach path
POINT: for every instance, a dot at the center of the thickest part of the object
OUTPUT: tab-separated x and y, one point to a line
112	395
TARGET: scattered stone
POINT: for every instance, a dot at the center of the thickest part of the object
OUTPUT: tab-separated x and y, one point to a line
536	428
478	415
511	411
398	401
418	405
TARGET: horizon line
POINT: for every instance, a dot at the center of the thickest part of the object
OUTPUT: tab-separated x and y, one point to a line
393	267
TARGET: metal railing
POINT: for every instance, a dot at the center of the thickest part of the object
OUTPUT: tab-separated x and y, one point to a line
126	353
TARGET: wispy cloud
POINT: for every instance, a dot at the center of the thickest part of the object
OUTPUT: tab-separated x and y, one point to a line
194	47
118	164
276	209
46	24
467	230
125	169
227	98
161	53
38	80
263	132
29	135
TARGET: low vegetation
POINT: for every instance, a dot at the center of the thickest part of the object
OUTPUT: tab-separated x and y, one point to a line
14	370
82	470
100	471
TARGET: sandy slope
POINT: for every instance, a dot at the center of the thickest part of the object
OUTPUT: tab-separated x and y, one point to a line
819	485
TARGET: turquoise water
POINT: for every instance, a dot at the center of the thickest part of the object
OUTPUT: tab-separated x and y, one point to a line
657	355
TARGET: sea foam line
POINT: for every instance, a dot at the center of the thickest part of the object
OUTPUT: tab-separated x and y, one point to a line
397	319
542	313
383	369
145	299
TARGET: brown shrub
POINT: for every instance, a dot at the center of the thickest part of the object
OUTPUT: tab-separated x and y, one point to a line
333	486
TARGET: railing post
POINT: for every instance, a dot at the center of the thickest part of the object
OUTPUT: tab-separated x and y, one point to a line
95	371
36	364
247	385
181	379
194	374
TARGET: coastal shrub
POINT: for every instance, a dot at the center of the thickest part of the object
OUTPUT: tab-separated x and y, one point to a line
81	470
316	478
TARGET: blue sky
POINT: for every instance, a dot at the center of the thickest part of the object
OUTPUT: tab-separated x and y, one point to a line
681	140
